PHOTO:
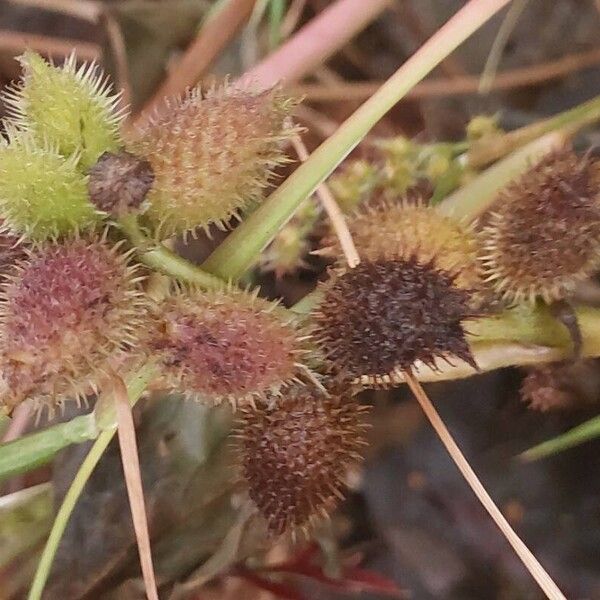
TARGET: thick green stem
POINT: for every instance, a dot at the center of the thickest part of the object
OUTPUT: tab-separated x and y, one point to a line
38	448
135	388
240	250
160	258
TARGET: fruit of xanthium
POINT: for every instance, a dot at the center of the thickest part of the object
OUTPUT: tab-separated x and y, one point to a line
225	345
543	233
69	107
561	386
376	320
66	314
42	194
295	453
212	156
388	229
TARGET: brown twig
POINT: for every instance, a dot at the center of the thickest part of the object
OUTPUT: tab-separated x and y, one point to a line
133	480
316	41
17	42
521	77
333	211
213	37
529	560
80	9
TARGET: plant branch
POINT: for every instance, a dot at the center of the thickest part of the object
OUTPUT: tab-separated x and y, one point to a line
159	257
135	388
336	217
133	481
529	560
243	246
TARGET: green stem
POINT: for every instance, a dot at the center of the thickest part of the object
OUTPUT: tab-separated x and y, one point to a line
488	150
276	13
578	435
164	260
135	388
242	247
35	449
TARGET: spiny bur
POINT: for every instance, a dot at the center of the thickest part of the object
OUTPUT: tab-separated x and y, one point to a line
561	386
225	345
295	453
68	311
377	320
212	156
70	107
391	228
543	234
42	194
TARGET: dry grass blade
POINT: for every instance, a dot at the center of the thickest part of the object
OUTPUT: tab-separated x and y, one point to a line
133	480
17	42
460	85
529	560
333	212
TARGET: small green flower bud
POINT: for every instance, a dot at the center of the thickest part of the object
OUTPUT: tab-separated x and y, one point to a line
69	107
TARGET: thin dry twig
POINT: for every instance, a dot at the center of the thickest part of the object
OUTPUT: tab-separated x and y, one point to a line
529	560
490	69
333	211
81	9
514	78
213	37
119	51
133	480
16	43
18	423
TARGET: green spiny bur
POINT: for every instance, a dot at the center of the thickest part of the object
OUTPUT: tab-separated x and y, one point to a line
42	194
69	106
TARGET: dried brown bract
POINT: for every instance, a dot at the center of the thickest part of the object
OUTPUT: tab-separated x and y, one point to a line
295	453
119	182
543	235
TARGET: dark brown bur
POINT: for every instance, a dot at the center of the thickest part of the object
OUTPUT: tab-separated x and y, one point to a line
543	235
295	453
383	316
